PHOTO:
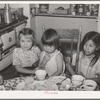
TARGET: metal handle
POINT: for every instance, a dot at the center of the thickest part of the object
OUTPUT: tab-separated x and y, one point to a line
78	48
43	28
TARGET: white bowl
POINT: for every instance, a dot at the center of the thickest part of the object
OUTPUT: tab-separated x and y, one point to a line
89	85
40	74
77	80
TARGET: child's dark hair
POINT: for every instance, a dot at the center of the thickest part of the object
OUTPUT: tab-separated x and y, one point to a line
50	37
27	31
95	37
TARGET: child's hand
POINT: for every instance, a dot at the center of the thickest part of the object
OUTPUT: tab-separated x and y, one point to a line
46	58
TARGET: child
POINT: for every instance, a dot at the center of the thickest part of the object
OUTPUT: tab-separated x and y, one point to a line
89	57
51	58
27	55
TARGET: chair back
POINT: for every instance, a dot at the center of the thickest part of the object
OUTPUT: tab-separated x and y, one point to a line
70	40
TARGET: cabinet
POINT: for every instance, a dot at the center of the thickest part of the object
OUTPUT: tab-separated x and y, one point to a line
40	22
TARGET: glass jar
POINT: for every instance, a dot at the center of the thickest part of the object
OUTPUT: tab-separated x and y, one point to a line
87	10
94	9
80	9
73	10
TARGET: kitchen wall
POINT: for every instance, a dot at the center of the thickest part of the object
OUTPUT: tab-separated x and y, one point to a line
26	10
28	6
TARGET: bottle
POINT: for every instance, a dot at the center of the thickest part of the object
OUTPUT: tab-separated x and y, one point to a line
88	10
80	11
7	14
72	6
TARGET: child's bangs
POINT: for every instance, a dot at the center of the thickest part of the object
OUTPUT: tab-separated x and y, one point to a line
29	37
48	42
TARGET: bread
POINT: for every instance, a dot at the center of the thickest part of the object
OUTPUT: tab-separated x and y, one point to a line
49	83
41	87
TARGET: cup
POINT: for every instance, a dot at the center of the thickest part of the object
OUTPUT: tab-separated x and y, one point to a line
40	74
77	80
89	85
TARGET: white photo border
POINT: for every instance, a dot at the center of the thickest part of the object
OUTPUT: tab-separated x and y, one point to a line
49	94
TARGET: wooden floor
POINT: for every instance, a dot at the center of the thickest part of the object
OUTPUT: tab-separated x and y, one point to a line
8	72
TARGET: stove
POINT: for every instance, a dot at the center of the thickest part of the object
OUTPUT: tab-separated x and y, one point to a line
8	44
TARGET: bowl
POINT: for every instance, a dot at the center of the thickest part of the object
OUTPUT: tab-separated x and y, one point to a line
40	74
77	80
89	85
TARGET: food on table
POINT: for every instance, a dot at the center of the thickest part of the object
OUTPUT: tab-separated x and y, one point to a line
66	82
20	86
65	85
29	87
51	85
53	80
40	87
26	84
29	80
48	84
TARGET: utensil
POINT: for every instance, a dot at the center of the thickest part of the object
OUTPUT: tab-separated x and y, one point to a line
59	83
67	76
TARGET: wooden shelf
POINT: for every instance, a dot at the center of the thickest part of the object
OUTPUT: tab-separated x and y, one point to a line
63	15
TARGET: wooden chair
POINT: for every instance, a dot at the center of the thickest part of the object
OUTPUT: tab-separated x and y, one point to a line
70	43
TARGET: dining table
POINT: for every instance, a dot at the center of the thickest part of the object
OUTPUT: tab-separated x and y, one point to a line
32	83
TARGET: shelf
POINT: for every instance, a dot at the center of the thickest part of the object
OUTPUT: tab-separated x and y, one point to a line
5	27
63	15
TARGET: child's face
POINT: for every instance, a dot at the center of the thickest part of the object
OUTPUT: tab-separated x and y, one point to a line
49	49
25	42
89	47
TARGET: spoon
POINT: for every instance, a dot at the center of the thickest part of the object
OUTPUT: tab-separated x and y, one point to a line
59	83
67	76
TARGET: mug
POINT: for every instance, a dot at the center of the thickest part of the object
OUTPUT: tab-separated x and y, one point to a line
77	80
89	85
